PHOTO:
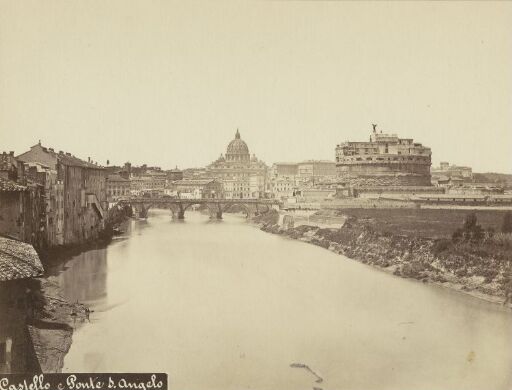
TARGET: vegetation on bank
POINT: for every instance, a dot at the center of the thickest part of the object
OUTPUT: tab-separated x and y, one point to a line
470	255
429	223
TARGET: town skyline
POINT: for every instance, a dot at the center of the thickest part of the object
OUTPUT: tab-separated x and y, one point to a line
135	162
296	79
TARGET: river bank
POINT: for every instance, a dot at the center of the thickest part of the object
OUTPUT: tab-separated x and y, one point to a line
54	318
466	268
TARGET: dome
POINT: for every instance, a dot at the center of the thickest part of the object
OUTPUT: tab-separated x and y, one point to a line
237	149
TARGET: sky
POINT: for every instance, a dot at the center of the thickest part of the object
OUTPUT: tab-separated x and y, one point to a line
168	83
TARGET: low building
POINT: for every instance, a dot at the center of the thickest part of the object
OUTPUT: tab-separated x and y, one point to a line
197	188
149	182
284	169
282	187
174	174
449	175
316	169
117	187
315	194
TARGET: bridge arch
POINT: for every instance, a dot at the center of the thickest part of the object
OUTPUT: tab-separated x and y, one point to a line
248	210
215	206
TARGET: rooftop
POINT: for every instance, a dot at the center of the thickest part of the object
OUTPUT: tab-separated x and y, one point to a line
116	177
66	158
18	260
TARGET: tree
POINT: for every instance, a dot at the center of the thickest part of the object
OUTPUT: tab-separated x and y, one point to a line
470	222
470	230
507	223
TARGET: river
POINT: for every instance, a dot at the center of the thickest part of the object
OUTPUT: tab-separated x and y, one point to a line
223	305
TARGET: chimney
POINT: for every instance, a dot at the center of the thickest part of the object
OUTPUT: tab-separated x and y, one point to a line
68	154
11	153
61	152
88	159
51	149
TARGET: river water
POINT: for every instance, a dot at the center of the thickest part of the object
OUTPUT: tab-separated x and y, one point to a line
223	305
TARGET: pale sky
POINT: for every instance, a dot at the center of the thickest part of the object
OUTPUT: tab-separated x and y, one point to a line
167	83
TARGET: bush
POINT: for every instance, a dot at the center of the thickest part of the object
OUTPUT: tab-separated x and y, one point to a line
457	235
470	222
470	230
441	246
502	239
506	227
412	269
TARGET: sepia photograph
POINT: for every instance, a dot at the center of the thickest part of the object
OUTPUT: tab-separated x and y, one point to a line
255	195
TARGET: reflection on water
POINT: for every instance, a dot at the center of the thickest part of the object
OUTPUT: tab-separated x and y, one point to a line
86	282
226	306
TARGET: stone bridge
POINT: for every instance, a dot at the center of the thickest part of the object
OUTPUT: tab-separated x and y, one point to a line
215	206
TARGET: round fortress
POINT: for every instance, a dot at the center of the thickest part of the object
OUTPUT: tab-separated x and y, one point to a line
385	160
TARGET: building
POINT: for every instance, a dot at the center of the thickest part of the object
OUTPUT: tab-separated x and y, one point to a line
447	174
196	189
19	263
284	169
242	175
174	174
53	201
22	211
194	173
283	187
315	170
386	160
118	187
83	189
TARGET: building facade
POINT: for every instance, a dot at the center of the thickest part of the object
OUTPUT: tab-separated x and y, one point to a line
196	189
84	195
242	175
22	208
118	187
386	160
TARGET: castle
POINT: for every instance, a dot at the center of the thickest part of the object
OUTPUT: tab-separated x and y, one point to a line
386	160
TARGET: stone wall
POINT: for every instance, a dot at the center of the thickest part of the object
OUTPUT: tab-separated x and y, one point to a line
389	180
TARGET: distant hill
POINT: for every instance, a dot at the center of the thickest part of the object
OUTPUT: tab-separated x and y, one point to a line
492	177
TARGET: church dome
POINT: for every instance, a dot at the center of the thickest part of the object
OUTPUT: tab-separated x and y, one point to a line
237	149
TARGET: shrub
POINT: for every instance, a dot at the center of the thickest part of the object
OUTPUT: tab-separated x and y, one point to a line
441	246
502	239
412	269
457	235
470	222
470	230
506	227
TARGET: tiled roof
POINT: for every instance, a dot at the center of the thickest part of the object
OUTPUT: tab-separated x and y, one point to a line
18	260
76	162
10	186
65	158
